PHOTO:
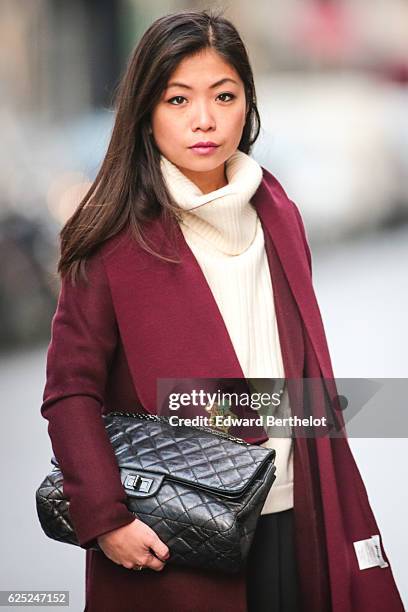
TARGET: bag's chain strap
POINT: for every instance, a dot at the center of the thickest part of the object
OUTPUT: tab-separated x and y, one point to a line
155	417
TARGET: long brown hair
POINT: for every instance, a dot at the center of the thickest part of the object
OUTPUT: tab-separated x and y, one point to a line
129	187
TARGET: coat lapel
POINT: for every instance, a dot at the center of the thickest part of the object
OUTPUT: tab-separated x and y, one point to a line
169	320
285	241
277	214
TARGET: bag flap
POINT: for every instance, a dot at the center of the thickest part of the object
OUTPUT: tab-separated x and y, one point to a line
186	454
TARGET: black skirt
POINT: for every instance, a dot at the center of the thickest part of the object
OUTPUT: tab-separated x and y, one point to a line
272	573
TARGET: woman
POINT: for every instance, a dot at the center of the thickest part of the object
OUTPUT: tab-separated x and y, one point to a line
167	269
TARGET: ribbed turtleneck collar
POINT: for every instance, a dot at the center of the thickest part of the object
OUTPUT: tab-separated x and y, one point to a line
223	218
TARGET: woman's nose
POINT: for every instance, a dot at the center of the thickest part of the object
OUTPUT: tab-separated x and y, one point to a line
203	117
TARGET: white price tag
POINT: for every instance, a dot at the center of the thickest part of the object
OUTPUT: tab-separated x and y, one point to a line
369	553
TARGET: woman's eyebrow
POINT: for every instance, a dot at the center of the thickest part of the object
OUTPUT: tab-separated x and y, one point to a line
216	84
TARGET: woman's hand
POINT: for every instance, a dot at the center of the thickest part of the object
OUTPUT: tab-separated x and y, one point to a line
133	544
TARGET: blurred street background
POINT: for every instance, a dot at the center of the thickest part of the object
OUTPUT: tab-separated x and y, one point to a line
332	87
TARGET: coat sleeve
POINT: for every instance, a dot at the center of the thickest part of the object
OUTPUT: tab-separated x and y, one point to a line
83	339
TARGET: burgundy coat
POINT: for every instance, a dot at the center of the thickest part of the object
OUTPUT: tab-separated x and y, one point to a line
140	319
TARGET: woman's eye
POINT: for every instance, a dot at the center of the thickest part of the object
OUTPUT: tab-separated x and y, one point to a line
176	98
227	94
232	96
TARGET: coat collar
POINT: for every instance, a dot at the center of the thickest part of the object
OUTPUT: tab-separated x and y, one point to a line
169	320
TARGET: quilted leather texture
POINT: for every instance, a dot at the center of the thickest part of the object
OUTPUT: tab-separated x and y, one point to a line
201	491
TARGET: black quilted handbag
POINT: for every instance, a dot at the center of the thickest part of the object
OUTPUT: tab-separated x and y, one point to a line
200	490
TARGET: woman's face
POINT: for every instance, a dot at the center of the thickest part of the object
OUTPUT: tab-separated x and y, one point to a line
197	107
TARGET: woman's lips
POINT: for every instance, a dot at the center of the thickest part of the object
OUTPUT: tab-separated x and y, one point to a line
204	150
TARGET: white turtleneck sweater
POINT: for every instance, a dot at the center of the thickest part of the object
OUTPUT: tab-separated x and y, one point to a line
225	234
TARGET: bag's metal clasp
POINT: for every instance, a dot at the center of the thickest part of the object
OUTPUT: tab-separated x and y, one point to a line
138	483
